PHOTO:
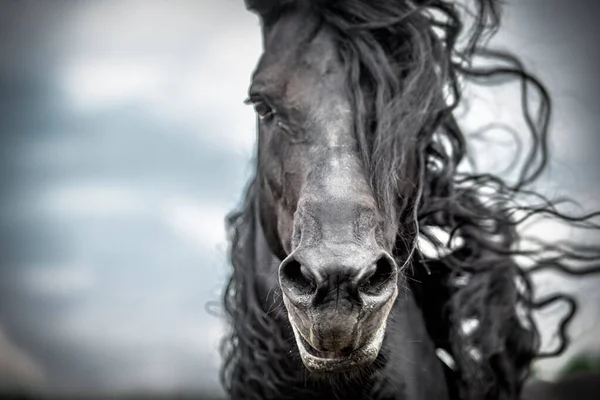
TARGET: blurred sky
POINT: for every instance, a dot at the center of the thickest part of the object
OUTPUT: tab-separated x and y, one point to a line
124	142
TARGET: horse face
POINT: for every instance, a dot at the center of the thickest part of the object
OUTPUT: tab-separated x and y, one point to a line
317	208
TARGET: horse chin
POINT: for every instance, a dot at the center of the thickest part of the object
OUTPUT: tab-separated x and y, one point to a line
329	362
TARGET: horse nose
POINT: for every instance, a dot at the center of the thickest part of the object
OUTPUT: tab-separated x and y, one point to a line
311	285
297	281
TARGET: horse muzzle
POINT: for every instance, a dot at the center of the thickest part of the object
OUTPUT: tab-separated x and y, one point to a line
331	362
332	340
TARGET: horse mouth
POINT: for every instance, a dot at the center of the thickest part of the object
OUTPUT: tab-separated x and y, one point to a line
330	362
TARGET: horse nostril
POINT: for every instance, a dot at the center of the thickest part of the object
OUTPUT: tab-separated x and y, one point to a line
380	277
297	278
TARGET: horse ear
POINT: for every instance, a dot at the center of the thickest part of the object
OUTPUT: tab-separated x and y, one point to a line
264	8
261	7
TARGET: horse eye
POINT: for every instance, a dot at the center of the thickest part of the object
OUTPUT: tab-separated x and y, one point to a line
262	109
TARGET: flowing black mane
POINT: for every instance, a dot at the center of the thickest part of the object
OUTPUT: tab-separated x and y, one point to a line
407	63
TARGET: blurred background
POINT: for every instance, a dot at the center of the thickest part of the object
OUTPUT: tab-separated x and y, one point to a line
124	141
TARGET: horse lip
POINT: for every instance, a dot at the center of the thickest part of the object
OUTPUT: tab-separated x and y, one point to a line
359	357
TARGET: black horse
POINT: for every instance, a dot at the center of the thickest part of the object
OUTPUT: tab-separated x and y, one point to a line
358	162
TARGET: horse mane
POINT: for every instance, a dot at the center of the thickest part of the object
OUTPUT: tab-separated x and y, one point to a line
407	63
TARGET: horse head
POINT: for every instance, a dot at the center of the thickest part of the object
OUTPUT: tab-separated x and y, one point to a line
318	209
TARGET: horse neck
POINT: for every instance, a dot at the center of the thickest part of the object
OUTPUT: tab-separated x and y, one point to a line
410	351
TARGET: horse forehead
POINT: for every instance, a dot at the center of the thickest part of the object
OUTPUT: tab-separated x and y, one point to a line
302	70
300	58
310	78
